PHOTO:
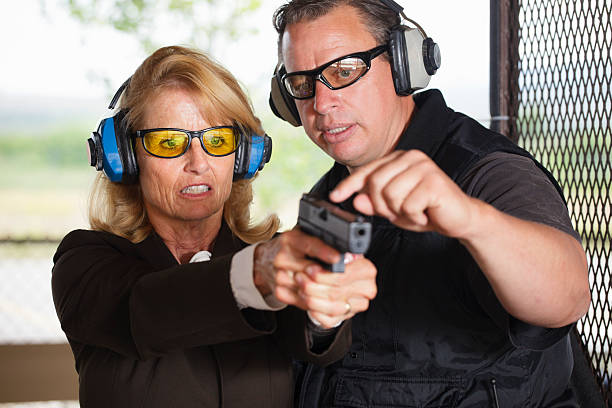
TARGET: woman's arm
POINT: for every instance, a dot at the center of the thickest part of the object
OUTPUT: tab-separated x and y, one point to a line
107	293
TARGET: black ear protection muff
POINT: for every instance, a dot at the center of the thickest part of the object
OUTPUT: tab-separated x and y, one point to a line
414	59
111	149
281	103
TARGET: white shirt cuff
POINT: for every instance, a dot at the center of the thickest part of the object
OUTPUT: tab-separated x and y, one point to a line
243	286
318	323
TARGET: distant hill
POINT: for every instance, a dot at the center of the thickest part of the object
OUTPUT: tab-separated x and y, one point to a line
26	113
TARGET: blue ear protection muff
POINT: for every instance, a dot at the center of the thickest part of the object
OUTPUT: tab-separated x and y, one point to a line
414	59
111	149
252	154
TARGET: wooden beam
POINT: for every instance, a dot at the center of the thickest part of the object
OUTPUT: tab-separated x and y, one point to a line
37	372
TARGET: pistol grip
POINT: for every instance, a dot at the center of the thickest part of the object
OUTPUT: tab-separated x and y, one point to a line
337	267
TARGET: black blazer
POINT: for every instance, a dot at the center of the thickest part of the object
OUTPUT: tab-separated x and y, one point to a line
148	332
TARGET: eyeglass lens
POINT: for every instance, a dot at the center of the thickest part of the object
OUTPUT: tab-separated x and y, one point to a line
173	143
337	75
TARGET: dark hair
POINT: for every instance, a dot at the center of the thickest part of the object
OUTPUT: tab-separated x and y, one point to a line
376	16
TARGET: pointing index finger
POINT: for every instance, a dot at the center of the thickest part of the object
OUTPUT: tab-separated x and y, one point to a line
353	183
357	180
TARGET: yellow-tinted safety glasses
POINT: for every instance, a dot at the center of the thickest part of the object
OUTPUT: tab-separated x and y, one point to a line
170	143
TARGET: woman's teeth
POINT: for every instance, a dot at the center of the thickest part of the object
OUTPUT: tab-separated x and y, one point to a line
337	130
195	189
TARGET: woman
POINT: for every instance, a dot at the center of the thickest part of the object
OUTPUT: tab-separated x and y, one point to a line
155	320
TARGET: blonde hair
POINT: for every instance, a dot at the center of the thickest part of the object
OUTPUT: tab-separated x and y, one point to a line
118	208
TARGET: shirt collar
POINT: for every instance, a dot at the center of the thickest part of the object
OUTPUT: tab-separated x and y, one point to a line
428	126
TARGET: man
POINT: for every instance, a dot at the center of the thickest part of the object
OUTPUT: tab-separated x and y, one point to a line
480	273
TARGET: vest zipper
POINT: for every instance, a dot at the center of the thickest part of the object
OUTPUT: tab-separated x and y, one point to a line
494	387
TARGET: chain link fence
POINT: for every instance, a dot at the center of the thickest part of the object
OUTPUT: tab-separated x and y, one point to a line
559	104
27	314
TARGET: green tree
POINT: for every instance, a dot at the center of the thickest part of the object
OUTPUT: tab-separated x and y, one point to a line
205	24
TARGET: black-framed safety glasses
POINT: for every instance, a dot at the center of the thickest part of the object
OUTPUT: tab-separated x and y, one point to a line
336	74
169	143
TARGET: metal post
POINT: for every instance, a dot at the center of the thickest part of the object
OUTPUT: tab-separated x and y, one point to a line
504	60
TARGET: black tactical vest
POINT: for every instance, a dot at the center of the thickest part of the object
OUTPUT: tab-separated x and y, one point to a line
426	339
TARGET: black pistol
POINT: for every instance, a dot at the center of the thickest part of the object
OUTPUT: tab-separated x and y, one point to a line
343	230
